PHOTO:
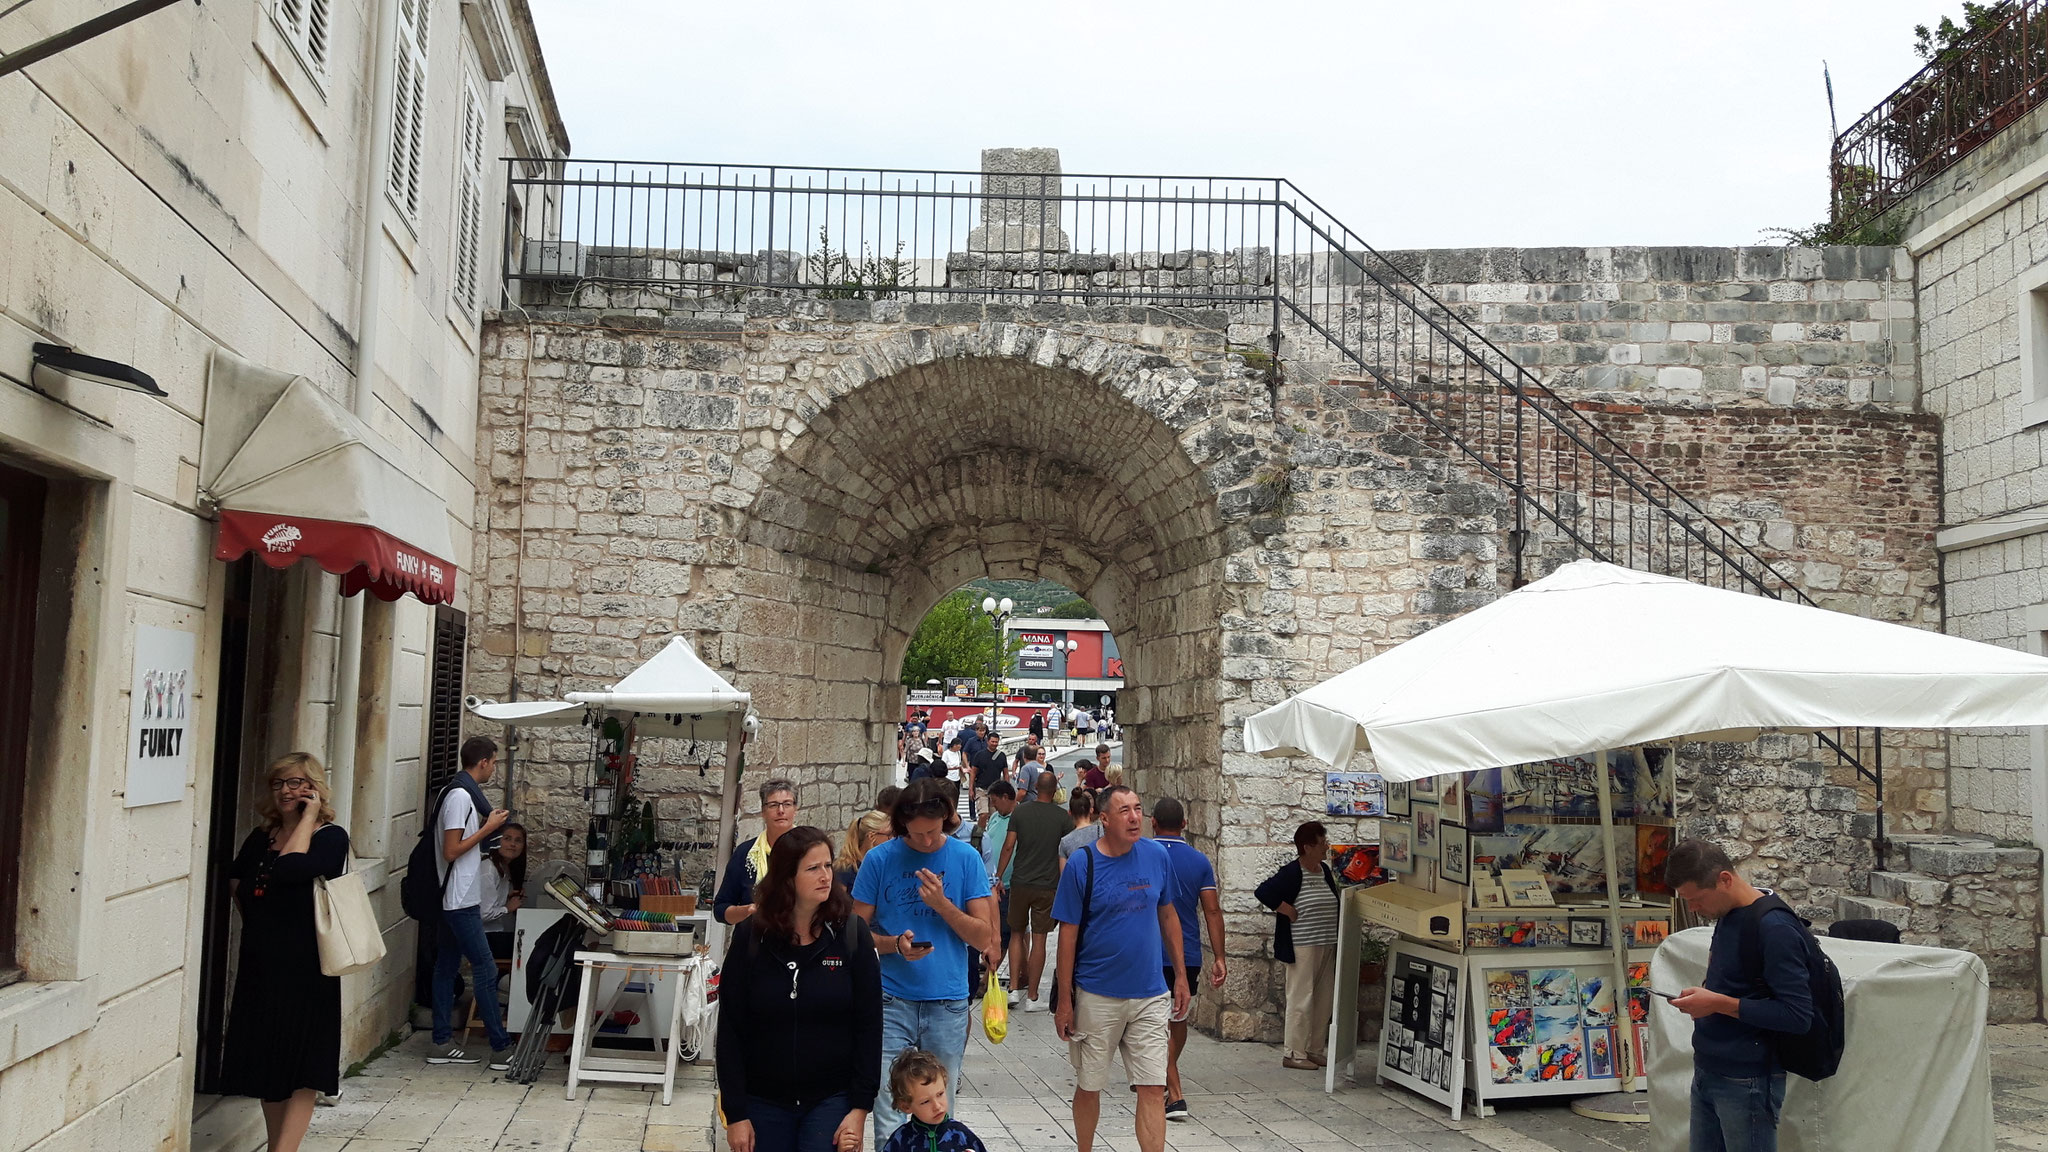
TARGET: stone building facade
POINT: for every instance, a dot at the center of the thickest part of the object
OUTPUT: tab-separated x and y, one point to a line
795	482
215	183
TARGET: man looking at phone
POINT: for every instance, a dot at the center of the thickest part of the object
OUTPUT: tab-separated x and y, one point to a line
467	823
926	898
1738	1085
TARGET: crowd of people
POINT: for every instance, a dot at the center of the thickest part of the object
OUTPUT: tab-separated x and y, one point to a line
845	962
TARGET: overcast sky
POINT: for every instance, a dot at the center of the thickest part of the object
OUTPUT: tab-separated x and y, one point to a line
1419	124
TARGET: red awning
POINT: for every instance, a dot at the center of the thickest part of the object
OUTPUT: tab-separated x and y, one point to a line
364	557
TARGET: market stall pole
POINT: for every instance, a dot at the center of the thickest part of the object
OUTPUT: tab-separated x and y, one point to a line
1597	657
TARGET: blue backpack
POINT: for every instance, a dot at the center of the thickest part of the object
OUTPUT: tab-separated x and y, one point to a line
1816	1053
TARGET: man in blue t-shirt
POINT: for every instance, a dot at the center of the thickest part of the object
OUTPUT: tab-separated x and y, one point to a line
1194	901
925	896
1119	938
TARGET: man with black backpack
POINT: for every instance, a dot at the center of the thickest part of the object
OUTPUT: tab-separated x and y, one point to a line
1771	1002
464	823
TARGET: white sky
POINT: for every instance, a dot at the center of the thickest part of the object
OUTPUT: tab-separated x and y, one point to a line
1428	123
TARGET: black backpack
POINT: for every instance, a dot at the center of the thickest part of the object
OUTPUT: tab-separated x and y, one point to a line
421	889
1817	1053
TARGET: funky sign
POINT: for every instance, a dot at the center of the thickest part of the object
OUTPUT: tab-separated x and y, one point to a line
161	715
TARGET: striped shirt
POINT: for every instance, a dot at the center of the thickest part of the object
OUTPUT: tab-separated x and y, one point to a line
1315	912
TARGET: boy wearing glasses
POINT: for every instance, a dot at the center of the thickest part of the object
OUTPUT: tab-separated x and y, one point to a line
926	897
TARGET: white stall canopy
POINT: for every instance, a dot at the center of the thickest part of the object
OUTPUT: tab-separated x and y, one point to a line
673	694
1597	656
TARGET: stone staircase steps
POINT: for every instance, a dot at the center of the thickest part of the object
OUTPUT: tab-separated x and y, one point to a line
1907	888
1871	908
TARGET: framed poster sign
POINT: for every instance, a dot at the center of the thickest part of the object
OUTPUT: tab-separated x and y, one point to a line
1422	1040
161	717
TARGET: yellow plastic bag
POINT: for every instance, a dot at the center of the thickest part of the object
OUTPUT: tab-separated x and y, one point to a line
995	1011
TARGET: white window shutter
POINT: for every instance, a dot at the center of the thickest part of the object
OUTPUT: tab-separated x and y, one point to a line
469	205
409	107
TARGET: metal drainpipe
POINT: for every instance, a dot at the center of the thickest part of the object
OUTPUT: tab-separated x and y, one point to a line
349	677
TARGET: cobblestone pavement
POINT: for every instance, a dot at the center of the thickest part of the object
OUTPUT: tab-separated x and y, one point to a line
1015	1097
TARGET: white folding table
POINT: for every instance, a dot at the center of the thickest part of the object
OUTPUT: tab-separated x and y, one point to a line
624	1068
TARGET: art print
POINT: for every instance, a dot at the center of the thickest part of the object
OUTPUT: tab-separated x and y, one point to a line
1639	974
1425	830
1356	863
1653	849
1517	933
1559	1061
1482	934
1484	811
1398	799
1453	853
1513	1065
1572	857
1354	794
1551	934
1588	931
1568	786
1554	986
1650	933
1451	802
1507	988
1423	789
1556	1025
1511	1026
1639	1005
1397	847
1599	1053
1496	851
1596	999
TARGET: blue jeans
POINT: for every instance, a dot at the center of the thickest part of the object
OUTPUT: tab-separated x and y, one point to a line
937	1026
779	1129
1736	1114
462	936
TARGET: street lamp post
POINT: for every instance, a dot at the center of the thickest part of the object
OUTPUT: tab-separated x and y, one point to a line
1065	648
999	611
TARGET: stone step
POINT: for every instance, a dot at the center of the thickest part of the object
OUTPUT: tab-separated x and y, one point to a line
1951	858
1910	888
227	1124
1870	908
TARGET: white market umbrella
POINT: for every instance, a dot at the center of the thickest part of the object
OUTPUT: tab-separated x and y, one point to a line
1595	656
674	694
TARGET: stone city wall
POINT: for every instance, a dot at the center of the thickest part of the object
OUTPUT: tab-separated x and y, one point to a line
731	477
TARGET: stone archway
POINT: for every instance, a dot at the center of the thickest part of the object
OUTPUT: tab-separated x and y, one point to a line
1032	455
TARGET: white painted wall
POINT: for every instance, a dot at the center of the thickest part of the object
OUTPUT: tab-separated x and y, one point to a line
182	185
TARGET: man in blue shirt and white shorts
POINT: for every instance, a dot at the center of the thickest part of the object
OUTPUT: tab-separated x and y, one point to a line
1119	937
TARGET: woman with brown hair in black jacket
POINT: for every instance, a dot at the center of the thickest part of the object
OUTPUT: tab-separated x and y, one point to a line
799	1010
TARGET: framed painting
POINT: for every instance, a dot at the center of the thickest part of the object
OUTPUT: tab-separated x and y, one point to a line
1453	853
1397	847
1397	802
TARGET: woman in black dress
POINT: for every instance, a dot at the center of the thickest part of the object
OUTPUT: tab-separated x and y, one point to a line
284	1029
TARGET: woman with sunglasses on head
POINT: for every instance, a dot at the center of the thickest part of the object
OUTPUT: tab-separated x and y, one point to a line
284	1027
799	1010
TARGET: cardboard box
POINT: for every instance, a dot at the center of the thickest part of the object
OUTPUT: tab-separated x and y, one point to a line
1435	917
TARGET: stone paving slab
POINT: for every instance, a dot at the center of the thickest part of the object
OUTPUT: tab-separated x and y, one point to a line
1015	1096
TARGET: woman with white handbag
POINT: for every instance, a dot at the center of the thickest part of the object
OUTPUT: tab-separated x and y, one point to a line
284	1028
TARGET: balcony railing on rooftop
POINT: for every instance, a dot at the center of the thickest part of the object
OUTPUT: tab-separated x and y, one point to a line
1948	109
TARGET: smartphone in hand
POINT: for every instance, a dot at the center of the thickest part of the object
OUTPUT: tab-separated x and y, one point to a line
1666	995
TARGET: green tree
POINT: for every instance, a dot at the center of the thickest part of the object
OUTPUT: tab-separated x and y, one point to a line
956	638
1075	609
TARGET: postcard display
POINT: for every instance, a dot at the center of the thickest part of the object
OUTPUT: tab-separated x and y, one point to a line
1544	989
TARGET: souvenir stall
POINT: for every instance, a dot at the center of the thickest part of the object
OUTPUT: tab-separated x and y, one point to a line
648	982
1508	949
1600	658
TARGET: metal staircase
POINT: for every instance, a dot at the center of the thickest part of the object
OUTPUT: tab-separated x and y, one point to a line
708	236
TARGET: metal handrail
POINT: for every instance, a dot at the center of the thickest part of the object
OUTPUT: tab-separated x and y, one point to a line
1948	109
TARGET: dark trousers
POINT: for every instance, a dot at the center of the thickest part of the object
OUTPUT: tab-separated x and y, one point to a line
779	1129
1736	1114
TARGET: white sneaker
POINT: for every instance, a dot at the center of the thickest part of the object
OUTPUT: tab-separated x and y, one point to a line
1016	998
1036	1006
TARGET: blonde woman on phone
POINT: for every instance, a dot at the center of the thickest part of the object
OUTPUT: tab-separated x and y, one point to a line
284	1027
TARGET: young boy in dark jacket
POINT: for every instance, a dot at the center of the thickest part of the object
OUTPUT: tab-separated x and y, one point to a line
917	1082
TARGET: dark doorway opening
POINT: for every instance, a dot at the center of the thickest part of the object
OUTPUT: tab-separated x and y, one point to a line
22	499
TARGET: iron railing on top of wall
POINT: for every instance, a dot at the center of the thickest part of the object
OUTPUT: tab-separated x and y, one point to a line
1964	97
710	236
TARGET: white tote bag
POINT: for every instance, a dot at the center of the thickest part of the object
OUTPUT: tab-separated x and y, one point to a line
345	924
